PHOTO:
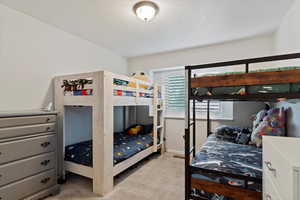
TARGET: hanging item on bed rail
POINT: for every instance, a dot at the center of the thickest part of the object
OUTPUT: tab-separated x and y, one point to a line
78	87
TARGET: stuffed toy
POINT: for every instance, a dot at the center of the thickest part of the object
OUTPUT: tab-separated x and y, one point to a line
141	76
135	130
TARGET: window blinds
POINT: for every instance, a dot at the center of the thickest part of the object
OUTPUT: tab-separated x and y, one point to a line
175	96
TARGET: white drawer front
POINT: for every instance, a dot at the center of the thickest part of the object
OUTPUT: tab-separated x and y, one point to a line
28	186
277	168
26	130
21	121
24	168
270	191
296	181
19	149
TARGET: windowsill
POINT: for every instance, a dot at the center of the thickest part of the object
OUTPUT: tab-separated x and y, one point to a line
200	118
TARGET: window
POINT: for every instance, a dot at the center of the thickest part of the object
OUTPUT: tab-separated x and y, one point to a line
174	92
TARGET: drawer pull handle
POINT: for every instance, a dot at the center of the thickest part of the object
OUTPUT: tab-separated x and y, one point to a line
269	166
48	120
45	144
45	162
45	180
48	129
268	197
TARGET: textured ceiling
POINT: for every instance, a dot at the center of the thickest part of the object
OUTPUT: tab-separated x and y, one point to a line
180	24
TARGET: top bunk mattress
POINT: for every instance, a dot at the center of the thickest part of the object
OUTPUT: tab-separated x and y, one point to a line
225	156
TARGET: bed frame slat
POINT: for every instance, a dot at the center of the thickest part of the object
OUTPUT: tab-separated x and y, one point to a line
255	78
226	190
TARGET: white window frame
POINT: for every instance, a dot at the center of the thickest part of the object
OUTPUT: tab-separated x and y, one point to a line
226	107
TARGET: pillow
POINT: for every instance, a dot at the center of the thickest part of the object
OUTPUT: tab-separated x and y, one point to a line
147	129
244	136
276	118
227	132
258	118
273	125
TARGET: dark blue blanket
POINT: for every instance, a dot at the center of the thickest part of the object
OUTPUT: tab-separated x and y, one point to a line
125	146
226	156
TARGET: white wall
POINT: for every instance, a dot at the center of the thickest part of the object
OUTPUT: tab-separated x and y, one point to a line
32	53
254	47
287	40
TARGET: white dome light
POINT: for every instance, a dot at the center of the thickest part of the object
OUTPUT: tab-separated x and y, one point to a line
145	10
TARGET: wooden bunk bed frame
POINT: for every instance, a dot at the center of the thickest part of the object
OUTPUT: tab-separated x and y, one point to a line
102	102
245	79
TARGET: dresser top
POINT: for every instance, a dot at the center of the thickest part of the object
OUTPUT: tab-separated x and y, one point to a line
23	113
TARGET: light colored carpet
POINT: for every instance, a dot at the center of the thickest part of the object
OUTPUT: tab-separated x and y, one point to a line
161	177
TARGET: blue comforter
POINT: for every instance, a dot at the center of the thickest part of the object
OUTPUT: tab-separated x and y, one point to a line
125	146
226	156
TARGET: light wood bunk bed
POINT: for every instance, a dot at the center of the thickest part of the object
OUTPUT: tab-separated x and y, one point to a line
101	91
204	89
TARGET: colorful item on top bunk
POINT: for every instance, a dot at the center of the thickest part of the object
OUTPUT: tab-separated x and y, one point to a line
124	93
132	84
120	82
145	95
125	146
141	76
87	92
78	87
225	156
273	124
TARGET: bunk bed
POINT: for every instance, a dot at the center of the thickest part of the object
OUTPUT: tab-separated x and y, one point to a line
210	171
100	153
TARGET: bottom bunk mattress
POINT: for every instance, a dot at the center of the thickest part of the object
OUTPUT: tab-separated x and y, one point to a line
125	146
225	156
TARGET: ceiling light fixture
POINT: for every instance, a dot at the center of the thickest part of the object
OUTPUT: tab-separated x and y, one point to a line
145	10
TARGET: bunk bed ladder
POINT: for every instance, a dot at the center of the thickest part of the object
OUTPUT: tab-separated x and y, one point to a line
158	120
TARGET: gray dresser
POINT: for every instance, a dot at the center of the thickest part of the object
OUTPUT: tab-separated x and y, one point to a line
28	155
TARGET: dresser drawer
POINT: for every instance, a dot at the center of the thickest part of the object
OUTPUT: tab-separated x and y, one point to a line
278	170
21	121
28	186
11	151
26	130
24	168
270	191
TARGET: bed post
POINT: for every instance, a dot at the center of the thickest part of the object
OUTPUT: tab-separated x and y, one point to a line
194	127
103	135
187	133
155	117
208	118
59	106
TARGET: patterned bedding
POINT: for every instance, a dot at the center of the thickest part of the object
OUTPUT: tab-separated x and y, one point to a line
226	156
125	146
